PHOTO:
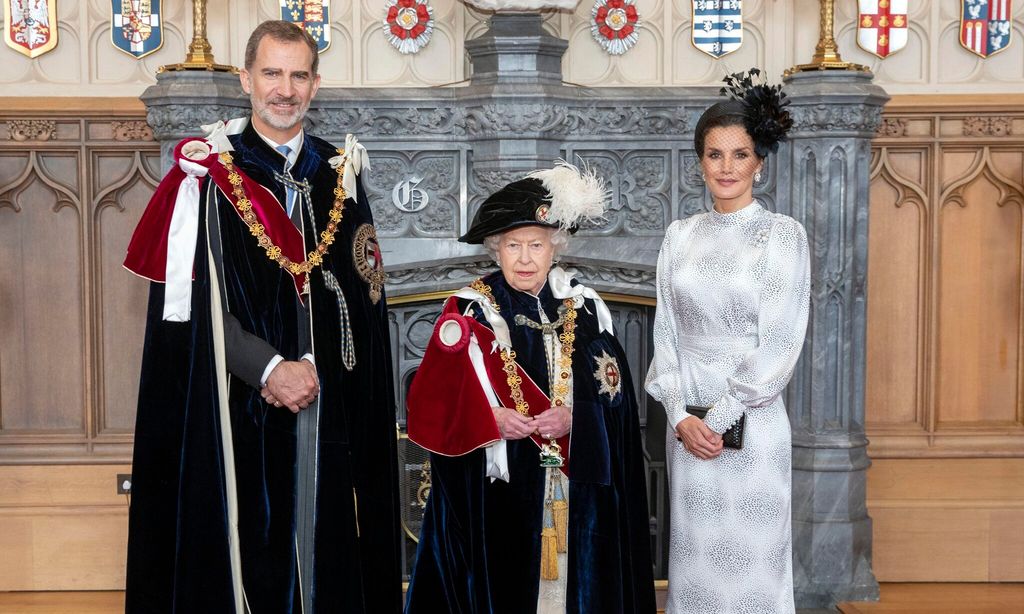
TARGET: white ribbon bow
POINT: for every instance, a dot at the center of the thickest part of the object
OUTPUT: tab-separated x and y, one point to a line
355	160
218	132
561	287
181	244
501	335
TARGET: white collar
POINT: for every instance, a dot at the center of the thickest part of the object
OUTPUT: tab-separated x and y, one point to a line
295	144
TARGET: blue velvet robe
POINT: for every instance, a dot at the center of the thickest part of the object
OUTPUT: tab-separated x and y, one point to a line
480	547
178	556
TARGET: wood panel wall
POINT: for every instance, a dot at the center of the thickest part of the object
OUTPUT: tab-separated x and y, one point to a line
945	369
75	176
945	383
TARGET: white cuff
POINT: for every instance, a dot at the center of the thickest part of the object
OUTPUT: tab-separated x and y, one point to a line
309	357
270	367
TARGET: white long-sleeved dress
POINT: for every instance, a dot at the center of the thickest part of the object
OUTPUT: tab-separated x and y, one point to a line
733	299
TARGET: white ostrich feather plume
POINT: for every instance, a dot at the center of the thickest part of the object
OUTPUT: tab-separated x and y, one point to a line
576	195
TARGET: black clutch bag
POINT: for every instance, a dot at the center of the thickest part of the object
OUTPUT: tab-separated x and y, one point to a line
733	438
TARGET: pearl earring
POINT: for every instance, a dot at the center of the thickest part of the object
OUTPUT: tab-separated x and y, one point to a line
703	177
757	177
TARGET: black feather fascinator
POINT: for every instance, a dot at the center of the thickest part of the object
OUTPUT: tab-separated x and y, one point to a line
765	116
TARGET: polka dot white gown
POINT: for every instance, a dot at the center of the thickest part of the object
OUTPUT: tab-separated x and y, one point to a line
733	298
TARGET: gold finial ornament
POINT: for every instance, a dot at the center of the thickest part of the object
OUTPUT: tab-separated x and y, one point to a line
826	54
200	56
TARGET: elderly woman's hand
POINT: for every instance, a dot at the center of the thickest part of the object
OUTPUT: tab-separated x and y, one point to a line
700	440
512	424
554	422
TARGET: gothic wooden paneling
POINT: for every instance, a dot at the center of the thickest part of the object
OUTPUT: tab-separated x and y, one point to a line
944	397
42	332
979	288
896	263
75	176
945	279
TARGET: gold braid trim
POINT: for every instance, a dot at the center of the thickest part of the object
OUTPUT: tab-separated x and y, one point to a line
508	356
244	207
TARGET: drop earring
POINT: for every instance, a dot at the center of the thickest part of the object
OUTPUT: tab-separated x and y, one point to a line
757	177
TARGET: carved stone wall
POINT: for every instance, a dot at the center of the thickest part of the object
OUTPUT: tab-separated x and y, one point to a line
778	34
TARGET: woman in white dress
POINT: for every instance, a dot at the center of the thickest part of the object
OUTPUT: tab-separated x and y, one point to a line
733	296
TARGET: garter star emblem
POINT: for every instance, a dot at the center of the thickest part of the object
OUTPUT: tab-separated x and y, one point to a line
368	261
608	375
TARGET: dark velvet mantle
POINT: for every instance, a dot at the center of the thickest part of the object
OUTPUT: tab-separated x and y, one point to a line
479	548
178	557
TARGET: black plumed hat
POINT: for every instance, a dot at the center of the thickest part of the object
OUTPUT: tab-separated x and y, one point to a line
560	197
761	107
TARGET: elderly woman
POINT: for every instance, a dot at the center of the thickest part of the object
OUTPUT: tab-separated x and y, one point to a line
733	295
525	402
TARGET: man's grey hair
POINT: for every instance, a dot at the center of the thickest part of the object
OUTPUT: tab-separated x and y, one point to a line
282	31
559	241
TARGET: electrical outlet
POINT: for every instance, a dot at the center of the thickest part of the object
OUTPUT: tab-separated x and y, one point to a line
124	483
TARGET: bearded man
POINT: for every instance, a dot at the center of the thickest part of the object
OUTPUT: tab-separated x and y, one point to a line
265	473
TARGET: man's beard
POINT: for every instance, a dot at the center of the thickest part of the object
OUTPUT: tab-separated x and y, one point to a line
279	122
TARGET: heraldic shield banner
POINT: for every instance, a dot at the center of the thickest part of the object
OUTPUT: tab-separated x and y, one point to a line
30	26
985	26
717	26
882	26
135	26
313	15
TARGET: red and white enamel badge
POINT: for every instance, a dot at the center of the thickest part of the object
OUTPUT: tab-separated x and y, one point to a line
30	26
613	25
608	375
882	26
408	24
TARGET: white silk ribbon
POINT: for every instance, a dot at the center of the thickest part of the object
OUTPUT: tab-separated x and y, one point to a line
498	325
559	280
497	453
181	244
218	132
355	160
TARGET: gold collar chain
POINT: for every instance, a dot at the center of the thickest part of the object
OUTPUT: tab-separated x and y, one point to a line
560	389
244	206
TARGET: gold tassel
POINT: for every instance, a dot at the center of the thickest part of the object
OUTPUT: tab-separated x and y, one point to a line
560	508
548	554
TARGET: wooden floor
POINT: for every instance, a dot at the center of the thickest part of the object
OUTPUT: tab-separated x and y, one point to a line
896	599
921	598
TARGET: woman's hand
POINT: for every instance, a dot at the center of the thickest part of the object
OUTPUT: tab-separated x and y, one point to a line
698	439
553	422
512	424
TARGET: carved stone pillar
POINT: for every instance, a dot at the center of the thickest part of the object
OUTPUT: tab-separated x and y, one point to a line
825	169
517	69
516	49
182	101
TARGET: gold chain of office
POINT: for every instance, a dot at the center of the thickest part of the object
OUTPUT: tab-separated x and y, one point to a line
244	206
508	355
